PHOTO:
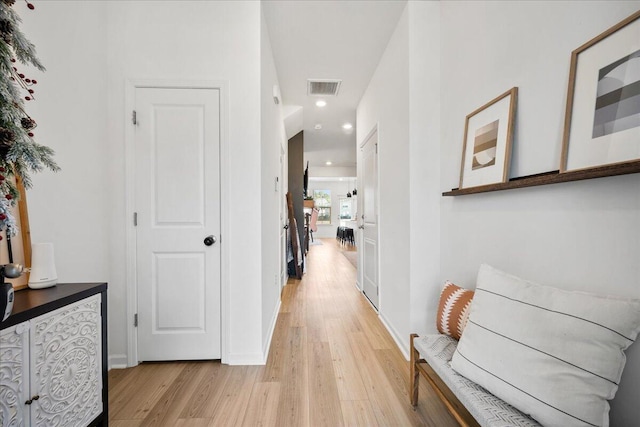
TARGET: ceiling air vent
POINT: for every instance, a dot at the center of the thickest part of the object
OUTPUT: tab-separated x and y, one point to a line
323	87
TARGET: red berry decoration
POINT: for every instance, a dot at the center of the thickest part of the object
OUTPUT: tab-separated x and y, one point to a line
8	197
3	217
2	169
21	75
13	59
27	80
30	90
0	237
30	6
30	134
28	98
34	82
2	178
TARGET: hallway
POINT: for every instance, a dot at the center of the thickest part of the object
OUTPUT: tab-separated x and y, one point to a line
331	363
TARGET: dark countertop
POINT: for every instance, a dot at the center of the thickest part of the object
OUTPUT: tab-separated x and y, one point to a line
30	303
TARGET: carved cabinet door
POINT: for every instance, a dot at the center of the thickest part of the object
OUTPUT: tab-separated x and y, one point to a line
66	371
14	374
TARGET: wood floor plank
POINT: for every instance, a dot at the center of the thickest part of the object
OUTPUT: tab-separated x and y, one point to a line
125	423
168	408
324	403
117	376
208	392
192	422
155	380
316	331
388	408
293	407
358	413
348	379
263	405
233	403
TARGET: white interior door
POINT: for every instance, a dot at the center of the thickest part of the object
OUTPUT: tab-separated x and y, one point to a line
369	218
177	197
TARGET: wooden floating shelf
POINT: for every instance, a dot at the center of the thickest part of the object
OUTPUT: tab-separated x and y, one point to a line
553	177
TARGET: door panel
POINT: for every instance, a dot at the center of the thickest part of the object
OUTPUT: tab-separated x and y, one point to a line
178	205
370	218
168	270
171	160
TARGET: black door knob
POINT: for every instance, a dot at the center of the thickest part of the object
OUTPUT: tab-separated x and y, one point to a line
210	240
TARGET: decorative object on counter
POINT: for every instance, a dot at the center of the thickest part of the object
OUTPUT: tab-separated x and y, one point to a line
6	300
488	133
6	289
20	155
602	118
43	268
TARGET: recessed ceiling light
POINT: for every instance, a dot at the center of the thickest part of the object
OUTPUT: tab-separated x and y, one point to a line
347	126
328	163
318	126
321	103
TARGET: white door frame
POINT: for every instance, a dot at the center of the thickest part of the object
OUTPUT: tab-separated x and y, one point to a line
359	276
130	251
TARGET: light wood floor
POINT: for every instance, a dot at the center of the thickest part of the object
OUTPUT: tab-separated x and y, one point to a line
331	363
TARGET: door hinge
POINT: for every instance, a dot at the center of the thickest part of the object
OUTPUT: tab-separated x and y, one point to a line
134	117
376	142
135	219
135	320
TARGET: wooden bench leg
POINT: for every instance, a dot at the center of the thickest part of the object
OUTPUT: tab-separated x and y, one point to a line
414	375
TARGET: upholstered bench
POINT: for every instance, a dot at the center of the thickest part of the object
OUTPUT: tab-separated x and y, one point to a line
527	354
470	404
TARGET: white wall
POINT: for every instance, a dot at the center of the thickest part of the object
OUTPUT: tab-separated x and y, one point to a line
424	164
385	104
273	139
583	235
331	171
91	50
68	208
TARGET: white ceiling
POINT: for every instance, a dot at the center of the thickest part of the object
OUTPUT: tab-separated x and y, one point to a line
329	40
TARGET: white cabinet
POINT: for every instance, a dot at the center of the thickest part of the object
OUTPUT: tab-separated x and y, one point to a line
14	368
51	368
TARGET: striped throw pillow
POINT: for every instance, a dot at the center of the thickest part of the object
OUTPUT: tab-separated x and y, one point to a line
453	310
554	354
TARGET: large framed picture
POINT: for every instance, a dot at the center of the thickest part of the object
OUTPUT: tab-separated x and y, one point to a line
602	117
488	133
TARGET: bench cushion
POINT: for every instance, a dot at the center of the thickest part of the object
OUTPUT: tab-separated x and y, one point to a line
554	354
487	409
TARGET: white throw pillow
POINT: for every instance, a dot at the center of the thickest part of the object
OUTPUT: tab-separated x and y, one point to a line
556	355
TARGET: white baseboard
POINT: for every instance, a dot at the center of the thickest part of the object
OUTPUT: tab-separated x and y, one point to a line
118	361
401	343
272	328
245	359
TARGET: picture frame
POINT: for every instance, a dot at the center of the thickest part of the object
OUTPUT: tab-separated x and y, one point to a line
20	249
488	136
602	116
